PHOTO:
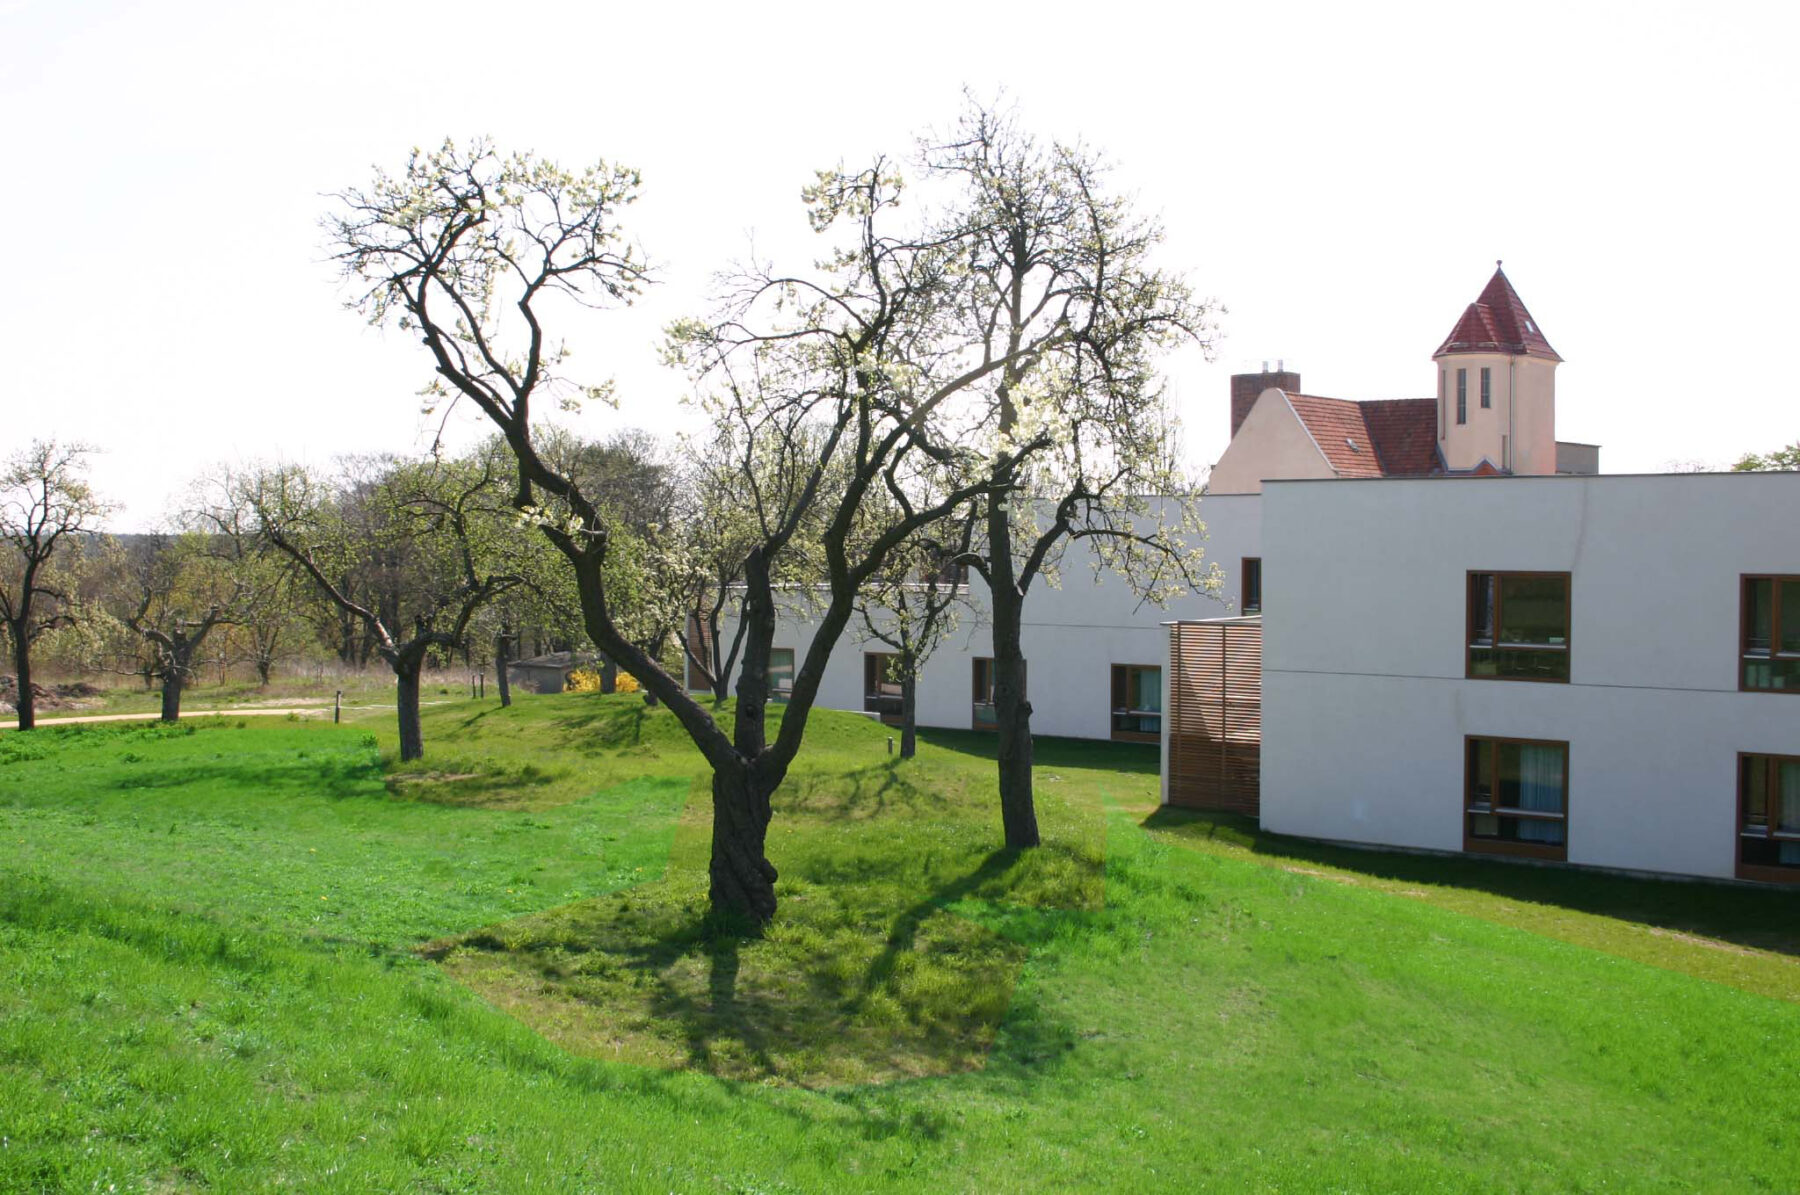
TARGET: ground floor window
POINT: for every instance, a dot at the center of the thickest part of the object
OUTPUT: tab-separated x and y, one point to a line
1516	797
1769	818
881	685
781	673
981	695
1137	702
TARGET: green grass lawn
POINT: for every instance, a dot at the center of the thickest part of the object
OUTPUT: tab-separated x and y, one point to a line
255	955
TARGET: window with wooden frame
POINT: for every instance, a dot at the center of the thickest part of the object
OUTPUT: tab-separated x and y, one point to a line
981	694
1769	649
1516	797
881	685
1137	703
1769	818
1487	387
1462	396
781	673
1252	602
1518	626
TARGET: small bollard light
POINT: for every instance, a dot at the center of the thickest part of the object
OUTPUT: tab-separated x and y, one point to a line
890	744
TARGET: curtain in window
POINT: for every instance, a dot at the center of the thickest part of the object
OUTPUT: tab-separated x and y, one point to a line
1541	791
1149	690
1788	810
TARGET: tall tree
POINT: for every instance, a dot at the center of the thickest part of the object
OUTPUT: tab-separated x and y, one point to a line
439	528
472	251
1074	435
46	508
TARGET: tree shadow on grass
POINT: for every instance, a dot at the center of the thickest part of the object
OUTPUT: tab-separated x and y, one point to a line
1758	918
831	994
1051	751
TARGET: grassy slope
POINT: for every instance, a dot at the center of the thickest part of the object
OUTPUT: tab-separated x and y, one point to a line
178	1008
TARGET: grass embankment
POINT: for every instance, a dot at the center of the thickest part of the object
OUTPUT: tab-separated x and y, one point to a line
215	971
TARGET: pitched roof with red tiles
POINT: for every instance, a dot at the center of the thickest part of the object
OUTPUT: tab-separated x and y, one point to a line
1497	322
1391	438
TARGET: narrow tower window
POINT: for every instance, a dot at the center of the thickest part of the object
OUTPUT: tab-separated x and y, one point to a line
1462	396
1487	391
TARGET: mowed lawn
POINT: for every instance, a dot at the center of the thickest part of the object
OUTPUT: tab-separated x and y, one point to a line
252	955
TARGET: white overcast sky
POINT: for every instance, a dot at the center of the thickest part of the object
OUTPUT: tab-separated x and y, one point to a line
1340	176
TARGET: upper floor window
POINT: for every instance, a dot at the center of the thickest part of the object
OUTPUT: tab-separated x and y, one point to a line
1252	603
1462	396
1769	654
1487	387
1136	702
1769	818
1516	797
1519	626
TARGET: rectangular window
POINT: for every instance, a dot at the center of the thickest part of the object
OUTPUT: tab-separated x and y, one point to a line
881	685
1516	797
1487	392
1769	818
982	694
1137	703
781	673
1769	654
1252	603
1518	626
1462	396
1443	393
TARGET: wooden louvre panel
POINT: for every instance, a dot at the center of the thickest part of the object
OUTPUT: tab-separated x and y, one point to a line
1215	716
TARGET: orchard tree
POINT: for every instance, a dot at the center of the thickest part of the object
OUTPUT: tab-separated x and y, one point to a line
182	588
437	525
1074	437
913	604
472	252
47	510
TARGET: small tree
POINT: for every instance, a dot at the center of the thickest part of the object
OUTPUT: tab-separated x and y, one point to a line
438	528
46	508
912	605
186	586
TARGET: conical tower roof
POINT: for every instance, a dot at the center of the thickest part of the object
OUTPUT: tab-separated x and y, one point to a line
1497	322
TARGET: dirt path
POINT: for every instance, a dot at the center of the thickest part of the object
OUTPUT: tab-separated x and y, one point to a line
304	711
301	710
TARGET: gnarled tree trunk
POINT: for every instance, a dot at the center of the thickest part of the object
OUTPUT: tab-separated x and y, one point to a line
742	878
406	704
1012	712
909	707
171	693
500	669
25	702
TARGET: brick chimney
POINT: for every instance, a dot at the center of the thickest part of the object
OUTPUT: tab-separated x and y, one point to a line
1245	387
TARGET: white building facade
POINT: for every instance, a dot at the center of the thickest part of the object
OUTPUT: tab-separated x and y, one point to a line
1076	634
1636	706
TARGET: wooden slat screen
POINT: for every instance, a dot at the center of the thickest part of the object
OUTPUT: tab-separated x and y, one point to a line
1215	716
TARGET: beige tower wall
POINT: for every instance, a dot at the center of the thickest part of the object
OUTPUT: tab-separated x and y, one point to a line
1534	417
1272	443
1517	431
